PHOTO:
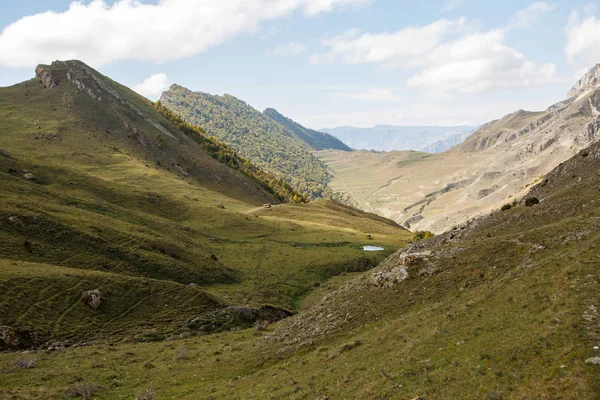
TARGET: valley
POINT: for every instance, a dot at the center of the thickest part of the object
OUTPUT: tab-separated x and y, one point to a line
143	257
496	165
503	306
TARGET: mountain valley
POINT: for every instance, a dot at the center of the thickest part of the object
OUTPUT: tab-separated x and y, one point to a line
142	257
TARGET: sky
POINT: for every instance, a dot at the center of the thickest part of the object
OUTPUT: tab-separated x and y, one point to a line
323	63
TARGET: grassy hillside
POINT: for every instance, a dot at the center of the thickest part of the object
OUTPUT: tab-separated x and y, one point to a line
316	140
101	191
503	307
252	134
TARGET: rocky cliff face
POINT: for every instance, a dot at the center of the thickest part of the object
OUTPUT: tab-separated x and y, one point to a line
589	81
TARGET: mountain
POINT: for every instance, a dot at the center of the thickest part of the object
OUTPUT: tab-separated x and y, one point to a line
390	138
316	140
493	166
119	221
254	135
504	307
446	144
589	81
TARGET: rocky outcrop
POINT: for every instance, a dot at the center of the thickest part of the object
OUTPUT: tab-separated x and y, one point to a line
44	74
91	299
235	317
386	279
589	81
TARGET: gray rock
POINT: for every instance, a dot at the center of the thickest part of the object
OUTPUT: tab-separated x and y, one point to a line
593	360
589	81
386	279
92	299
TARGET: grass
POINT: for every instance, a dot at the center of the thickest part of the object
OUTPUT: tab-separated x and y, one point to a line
111	213
510	312
508	308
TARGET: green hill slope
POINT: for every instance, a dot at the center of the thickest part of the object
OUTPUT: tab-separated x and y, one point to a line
252	134
503	307
101	191
316	140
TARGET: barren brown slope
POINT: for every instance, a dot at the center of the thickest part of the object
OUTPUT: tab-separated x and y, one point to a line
493	167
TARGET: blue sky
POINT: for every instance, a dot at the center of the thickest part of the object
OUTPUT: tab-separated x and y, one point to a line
324	63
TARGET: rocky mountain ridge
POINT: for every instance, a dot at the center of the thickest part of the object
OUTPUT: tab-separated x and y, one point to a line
589	81
494	166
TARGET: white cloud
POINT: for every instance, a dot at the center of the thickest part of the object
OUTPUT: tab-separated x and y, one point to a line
447	55
289	49
354	48
153	86
452	4
583	40
478	62
530	15
370	95
101	32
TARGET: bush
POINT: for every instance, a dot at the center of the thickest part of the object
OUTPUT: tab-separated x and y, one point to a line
421	235
506	207
532	201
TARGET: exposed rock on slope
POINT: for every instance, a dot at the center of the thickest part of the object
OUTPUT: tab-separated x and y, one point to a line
494	166
590	81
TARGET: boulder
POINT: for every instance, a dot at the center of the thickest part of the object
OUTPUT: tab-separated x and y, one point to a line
386	279
9	339
91	299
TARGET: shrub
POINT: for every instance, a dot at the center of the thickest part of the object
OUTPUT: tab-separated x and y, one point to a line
506	207
421	235
84	390
532	201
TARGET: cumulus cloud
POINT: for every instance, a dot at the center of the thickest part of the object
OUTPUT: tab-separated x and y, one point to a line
370	95
354	48
477	62
447	55
583	40
100	32
289	49
153	86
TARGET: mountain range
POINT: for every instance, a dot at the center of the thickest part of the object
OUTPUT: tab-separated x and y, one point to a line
271	141
142	256
492	167
391	138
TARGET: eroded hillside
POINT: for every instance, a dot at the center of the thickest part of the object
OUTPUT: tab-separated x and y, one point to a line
493	167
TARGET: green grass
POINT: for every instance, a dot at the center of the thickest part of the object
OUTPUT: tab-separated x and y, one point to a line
107	207
510	311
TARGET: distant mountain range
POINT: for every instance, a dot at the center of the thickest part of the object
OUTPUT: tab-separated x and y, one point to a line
493	167
447	144
390	137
